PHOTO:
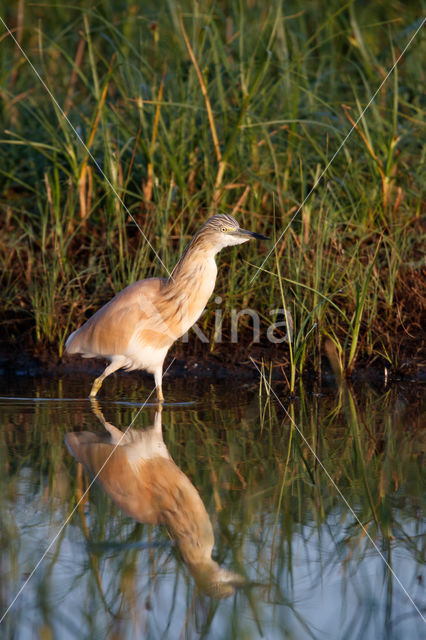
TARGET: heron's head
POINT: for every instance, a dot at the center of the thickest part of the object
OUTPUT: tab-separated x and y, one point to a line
224	231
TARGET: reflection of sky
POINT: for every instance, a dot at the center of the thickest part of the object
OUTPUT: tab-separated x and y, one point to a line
312	592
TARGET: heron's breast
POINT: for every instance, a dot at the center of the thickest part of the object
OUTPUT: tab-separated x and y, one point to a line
197	292
178	307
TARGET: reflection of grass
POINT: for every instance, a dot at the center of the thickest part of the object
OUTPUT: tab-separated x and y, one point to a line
261	486
237	110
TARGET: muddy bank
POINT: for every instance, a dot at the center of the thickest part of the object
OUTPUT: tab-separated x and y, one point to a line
226	364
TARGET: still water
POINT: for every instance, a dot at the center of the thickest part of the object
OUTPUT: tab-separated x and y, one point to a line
228	514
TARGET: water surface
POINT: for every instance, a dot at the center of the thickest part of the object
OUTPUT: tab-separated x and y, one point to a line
227	515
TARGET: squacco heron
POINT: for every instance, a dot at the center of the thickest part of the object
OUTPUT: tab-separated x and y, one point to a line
138	326
137	472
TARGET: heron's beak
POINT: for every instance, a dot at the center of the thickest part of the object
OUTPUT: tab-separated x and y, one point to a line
252	234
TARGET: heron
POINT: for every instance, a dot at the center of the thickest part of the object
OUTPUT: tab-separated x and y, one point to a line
136	470
137	327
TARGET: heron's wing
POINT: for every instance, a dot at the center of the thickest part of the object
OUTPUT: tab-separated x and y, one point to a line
129	485
111	467
110	330
150	489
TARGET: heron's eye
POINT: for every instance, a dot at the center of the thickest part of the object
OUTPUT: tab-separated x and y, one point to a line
223	229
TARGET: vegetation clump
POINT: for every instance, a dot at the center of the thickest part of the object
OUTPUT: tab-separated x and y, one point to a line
303	120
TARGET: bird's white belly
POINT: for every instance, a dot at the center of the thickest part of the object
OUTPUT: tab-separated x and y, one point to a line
144	357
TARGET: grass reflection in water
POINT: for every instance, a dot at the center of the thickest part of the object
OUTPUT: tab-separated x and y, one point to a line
243	478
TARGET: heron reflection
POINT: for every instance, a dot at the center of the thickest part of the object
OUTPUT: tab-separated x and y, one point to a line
136	470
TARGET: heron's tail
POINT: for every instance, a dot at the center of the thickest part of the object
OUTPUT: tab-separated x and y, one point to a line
69	346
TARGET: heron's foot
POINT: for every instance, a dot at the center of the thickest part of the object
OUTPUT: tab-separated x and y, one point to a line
97	384
160	396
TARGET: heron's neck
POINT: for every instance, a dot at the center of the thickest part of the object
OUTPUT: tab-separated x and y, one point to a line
186	292
191	284
195	265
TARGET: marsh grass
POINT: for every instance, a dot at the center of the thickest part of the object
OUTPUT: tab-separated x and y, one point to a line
235	108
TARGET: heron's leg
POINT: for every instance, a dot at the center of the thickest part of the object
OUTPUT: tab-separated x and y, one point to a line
97	409
97	384
117	363
116	434
158	376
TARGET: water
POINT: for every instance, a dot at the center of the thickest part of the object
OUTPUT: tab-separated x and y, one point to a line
227	515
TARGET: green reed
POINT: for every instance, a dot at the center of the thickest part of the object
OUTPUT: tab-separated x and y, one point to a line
198	109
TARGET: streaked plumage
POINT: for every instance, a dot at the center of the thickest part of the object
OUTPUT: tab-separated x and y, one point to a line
138	326
137	472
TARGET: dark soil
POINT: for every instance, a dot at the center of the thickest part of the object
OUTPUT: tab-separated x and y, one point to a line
226	362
